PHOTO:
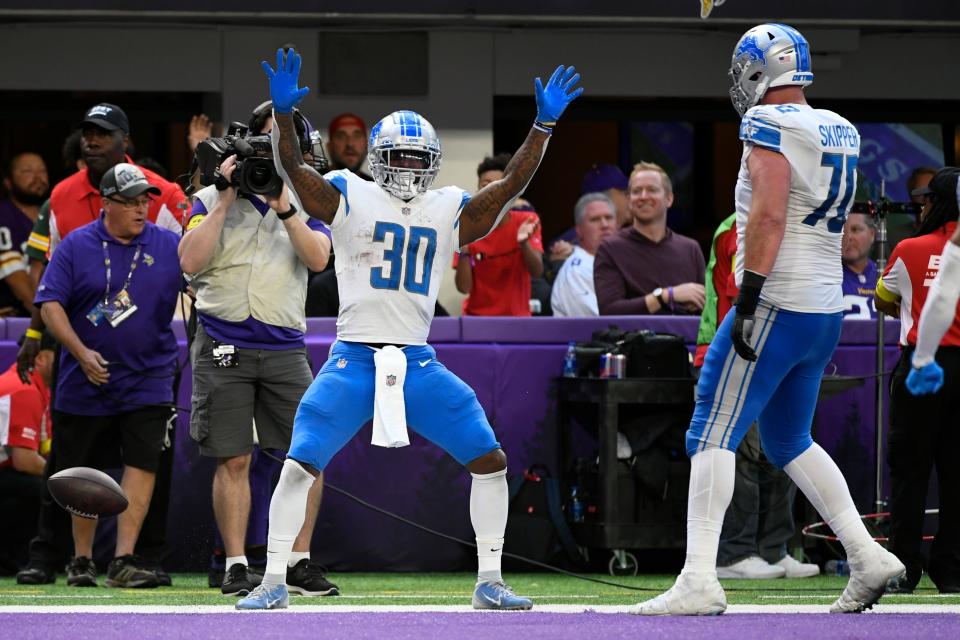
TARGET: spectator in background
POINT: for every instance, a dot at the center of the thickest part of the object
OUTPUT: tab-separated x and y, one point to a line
26	183
115	385
646	267
859	271
609	180
347	143
247	257
495	271
39	242
759	520
918	183
25	435
904	225
199	129
74	202
923	429
595	219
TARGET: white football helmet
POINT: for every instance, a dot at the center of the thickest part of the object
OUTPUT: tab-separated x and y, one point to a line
768	55
404	138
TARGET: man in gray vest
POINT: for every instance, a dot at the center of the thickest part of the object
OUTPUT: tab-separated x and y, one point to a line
246	256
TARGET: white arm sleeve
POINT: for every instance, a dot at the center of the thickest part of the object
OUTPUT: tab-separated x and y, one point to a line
940	308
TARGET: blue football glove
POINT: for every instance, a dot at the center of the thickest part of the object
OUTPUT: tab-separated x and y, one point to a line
559	92
926	379
283	82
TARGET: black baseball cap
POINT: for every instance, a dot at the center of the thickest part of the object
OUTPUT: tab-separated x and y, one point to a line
943	184
107	116
126	180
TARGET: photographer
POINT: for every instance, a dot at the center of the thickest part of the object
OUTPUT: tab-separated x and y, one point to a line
246	253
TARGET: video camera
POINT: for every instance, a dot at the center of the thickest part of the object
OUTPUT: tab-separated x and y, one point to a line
255	172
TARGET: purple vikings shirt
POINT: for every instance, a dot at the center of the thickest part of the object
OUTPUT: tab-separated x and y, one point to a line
858	291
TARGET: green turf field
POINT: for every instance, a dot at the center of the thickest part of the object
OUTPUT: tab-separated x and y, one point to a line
456	588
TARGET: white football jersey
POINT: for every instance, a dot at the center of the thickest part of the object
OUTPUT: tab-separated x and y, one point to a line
391	256
822	149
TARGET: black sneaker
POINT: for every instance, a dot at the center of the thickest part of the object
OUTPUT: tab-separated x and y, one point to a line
308	578
129	572
239	581
36	574
163	578
81	572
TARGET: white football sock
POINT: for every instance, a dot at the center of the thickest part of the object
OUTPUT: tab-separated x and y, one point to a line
287	508
712	473
232	560
297	556
489	500
817	475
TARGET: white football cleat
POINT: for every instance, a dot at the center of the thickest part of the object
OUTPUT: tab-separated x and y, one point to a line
692	594
751	568
870	569
797	569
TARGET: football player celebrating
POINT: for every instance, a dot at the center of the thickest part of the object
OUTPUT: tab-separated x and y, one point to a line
393	238
797	179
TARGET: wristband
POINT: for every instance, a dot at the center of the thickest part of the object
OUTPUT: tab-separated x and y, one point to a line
750	292
288	213
220	182
33	334
544	127
670	295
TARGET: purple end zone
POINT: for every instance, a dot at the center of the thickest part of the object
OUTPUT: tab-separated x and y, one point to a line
476	626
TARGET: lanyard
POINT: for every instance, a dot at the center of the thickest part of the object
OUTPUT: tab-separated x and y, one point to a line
106	263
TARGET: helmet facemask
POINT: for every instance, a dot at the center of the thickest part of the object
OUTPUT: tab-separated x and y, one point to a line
404	154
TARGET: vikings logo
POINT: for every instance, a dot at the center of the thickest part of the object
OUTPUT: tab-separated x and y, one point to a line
706	6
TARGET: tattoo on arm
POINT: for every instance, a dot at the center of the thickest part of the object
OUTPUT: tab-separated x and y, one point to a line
320	199
481	212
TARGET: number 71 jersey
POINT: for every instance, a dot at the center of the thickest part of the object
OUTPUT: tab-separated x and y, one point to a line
390	258
822	149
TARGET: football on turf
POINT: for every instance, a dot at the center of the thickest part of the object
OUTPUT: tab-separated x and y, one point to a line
87	492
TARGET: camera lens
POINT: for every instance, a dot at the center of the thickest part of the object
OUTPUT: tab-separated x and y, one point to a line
260	175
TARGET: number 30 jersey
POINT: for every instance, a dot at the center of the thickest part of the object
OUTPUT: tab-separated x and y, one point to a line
822	149
391	256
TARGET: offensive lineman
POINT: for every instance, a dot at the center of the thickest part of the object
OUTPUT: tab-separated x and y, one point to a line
797	179
393	238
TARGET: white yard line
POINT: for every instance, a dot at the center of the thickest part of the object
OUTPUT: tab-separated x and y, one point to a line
548	608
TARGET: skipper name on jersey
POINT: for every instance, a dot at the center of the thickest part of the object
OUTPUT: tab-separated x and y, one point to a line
839	135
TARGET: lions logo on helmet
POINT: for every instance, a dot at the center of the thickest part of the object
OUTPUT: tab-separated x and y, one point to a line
404	154
767	56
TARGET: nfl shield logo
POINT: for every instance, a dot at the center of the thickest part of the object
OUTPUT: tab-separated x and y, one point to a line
391	380
405	211
341	363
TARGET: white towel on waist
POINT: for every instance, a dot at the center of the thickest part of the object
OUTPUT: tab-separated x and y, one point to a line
389	411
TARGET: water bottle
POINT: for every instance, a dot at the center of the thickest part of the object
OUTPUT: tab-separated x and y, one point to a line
836	568
576	504
570	361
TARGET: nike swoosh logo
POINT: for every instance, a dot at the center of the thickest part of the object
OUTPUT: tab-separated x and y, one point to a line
424	363
494	550
497	602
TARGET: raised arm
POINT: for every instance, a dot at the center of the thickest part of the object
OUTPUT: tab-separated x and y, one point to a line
488	206
319	198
